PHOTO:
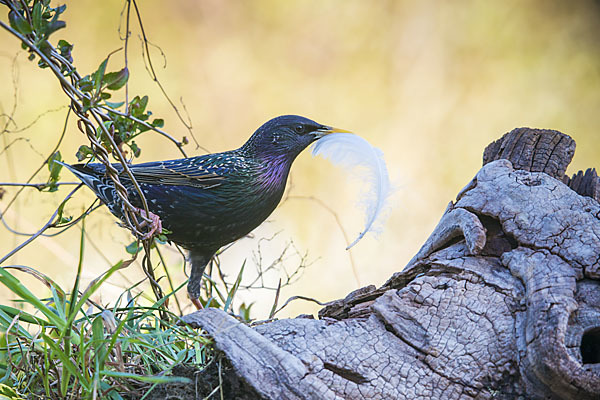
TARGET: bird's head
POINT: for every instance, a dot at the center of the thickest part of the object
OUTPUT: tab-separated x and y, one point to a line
285	137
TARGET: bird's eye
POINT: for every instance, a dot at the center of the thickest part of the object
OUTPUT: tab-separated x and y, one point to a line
299	128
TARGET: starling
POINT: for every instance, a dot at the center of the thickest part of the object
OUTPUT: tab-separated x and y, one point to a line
209	201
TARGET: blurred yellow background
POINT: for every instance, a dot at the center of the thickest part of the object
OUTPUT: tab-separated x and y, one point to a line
431	83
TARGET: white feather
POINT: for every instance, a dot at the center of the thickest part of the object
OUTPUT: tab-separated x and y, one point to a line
357	155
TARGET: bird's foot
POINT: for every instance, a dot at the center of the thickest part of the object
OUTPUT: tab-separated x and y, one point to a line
155	223
197	304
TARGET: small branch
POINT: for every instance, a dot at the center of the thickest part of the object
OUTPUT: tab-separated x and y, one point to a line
51	222
38	185
127	33
71	224
154	77
149	126
50	64
169	279
14	198
298	298
129	212
339	224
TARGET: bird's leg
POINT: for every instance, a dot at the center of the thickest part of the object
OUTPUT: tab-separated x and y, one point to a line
197	304
155	224
199	260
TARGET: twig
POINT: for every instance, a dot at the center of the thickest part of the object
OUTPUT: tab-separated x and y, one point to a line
149	126
298	298
162	260
34	121
149	271
127	33
74	94
97	123
131	215
154	77
261	271
272	313
74	222
38	185
33	48
48	224
339	224
10	117
14	198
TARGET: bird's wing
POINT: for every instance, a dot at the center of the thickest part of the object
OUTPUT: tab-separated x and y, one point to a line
183	172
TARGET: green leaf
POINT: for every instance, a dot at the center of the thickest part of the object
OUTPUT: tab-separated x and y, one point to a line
98	337
245	311
116	80
64	220
60	218
138	106
37	16
86	85
114	105
99	75
53	26
15	286
65	49
45	48
54	169
60	9
66	361
135	149
234	289
62	44
142	128
87	104
84	152
11	312
133	248
6	392
147	378
18	23
161	238
158	123
57	304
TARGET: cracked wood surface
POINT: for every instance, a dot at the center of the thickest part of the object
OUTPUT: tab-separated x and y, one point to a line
501	302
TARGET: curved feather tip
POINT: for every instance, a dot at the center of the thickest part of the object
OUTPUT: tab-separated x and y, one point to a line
356	154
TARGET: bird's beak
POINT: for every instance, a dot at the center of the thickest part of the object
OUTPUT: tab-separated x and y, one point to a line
326	130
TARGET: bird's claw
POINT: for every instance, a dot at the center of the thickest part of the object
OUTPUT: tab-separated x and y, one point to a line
155	223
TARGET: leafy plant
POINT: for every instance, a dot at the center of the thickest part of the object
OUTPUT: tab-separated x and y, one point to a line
65	343
79	348
110	127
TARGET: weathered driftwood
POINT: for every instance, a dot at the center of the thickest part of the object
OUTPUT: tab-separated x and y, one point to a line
502	301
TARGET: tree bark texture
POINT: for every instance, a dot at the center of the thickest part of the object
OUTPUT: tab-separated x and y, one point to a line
501	302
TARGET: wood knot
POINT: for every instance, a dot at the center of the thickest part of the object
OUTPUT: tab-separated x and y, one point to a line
534	150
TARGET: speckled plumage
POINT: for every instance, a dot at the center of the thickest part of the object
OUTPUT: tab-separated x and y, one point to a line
214	199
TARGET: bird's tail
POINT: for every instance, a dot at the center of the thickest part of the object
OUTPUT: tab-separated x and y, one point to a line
78	171
93	177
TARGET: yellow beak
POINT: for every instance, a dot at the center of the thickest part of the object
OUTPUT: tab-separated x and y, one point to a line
326	130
